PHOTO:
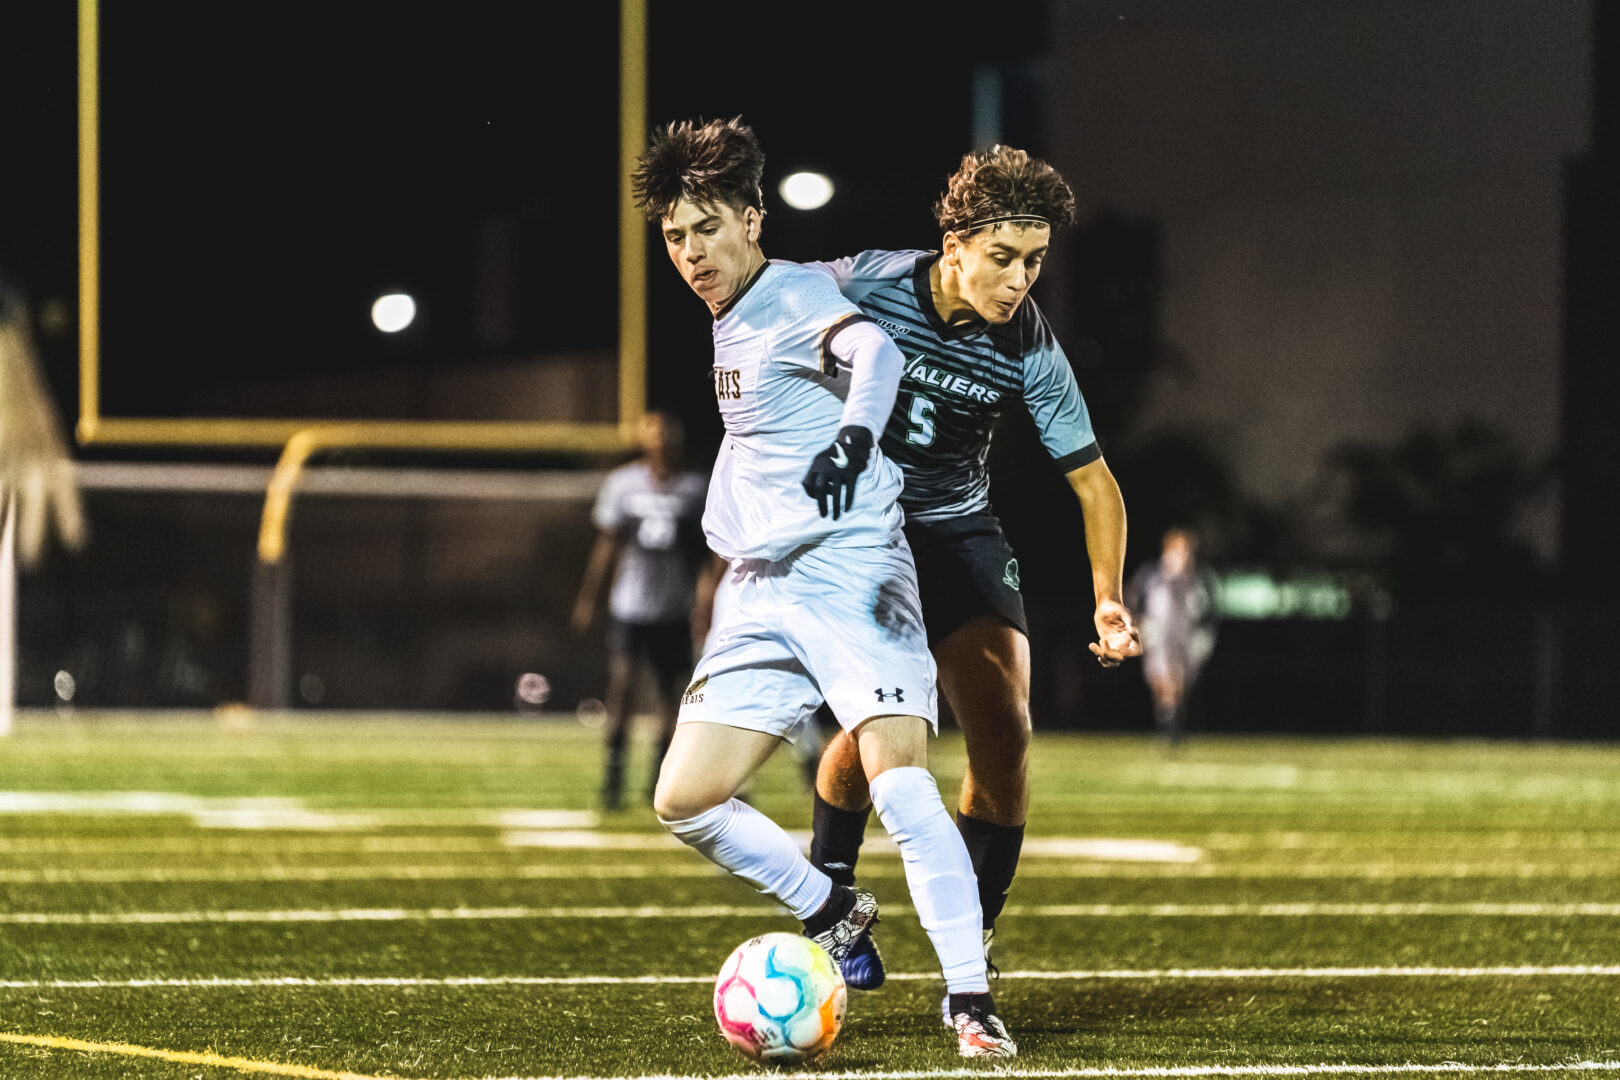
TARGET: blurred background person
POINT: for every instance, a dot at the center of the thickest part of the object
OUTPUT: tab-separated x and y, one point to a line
1174	597
39	492
650	546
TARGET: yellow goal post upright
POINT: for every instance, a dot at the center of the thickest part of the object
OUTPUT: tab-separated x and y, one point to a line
302	439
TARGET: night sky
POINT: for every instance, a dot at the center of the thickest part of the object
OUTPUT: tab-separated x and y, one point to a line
265	176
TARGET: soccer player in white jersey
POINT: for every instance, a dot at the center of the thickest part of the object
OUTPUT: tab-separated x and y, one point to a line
821	603
975	344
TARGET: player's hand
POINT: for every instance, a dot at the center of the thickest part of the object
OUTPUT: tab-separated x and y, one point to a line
1117	636
831	479
44	497
39	486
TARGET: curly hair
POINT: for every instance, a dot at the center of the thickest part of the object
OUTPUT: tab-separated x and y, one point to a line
713	163
999	184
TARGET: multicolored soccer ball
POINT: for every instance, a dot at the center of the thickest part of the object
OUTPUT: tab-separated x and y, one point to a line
780	999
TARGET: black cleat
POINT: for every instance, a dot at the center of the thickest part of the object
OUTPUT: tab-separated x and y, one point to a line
849	942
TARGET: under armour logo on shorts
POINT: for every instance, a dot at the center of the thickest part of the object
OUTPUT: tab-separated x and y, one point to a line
884	695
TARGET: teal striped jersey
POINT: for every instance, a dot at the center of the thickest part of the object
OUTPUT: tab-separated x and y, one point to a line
957	381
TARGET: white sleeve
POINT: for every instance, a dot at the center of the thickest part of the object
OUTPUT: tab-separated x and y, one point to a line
875	366
605	513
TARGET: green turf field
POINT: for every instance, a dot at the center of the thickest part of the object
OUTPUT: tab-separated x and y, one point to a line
327	897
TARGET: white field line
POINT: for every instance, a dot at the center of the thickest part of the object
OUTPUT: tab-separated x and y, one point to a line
499	870
1111	849
1362	910
306	1072
275	812
498	831
249	875
731	911
1100	975
1169	1072
1550	839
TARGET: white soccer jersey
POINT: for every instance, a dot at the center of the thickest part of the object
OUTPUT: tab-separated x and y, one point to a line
781	394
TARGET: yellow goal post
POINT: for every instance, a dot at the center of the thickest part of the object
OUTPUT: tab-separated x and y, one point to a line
94	428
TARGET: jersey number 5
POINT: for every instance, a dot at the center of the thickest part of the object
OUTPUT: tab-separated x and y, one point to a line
922	421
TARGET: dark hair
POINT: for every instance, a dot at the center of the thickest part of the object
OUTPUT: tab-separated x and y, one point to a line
1181	532
1001	184
714	163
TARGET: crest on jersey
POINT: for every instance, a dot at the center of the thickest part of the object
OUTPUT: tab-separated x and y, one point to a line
1009	576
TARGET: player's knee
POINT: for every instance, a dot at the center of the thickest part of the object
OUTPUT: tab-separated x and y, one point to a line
1001	732
892	742
674	803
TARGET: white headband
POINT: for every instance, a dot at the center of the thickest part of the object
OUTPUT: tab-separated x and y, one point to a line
975	226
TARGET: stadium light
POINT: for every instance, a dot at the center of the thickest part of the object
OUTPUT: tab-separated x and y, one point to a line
806	190
393	313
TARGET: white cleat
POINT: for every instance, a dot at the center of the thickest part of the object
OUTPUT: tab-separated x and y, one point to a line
980	1033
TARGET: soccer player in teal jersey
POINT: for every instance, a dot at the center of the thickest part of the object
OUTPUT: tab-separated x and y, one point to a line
976	344
821	603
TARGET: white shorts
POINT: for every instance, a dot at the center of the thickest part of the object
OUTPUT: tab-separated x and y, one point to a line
836	624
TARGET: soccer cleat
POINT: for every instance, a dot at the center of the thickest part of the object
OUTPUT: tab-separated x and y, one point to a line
863	967
980	1033
849	942
990	970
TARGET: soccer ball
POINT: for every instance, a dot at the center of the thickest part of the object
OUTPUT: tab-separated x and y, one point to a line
780	999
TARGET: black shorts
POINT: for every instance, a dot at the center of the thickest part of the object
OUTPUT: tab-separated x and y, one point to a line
666	646
965	567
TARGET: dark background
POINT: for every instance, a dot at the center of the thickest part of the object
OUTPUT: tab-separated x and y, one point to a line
1340	295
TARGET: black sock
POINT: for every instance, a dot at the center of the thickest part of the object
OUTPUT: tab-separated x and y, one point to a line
835	842
613	774
839	904
963	1002
994	851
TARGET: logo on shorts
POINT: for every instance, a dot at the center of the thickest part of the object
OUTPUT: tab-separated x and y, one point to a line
1009	576
884	695
694	695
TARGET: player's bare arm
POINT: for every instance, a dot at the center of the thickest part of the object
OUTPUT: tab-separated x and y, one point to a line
708	583
37	479
598	570
1104	509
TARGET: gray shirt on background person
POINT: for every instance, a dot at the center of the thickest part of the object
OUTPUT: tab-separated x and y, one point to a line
663	549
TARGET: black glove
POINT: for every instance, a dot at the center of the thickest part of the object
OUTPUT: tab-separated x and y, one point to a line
833	471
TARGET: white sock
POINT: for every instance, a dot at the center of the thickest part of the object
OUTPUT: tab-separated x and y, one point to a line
939	872
752	846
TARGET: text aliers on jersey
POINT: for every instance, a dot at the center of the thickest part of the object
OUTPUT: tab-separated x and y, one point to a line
918	370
